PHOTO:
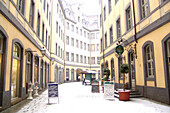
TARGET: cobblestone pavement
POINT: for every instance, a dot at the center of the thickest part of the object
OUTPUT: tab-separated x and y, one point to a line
77	98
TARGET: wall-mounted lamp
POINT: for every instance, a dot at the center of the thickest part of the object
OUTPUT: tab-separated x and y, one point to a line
52	60
26	51
43	51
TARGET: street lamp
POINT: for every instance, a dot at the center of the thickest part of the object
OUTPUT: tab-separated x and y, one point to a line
43	51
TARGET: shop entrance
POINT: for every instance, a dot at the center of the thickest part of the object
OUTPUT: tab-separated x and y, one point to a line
132	76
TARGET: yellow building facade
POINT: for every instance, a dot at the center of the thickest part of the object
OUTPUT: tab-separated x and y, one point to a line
142	28
28	55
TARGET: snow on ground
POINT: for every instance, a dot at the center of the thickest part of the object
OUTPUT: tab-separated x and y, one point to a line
77	98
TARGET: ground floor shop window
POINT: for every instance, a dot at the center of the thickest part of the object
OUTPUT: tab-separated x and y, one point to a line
15	71
36	69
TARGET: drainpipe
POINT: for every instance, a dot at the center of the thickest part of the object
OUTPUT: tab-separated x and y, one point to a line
134	22
102	32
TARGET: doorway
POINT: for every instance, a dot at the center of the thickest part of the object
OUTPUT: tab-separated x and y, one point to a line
132	75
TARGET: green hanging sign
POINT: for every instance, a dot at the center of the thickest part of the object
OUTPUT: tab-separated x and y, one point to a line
119	49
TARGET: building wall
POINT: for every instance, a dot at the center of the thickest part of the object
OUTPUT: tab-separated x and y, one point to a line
152	29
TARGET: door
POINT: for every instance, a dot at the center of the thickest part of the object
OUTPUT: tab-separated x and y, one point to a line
132	70
168	59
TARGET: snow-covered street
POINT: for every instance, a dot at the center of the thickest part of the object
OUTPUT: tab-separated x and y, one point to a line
77	98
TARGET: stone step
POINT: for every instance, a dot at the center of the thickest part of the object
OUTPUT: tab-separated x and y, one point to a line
133	94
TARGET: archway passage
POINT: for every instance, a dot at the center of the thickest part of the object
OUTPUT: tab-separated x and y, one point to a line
78	75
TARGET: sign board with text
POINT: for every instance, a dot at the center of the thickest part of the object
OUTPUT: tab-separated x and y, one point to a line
109	90
52	90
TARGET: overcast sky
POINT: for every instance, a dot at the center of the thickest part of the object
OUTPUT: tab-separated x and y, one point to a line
89	7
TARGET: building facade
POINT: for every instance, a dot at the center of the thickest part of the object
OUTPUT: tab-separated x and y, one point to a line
142	28
28	28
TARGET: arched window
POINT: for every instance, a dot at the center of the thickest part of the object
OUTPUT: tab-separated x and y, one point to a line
149	62
72	74
56	74
1	54
67	74
15	71
36	67
112	70
28	69
41	74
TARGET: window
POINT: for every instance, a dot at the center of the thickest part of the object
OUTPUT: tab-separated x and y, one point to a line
84	33
149	61
79	19
28	69
110	5
56	27
98	47
77	58
67	26
67	40
46	38
88	47
100	20
88	60
56	49
93	60
72	57
72	41
85	59
43	33
77	30
16	62
67	74
59	51
92	36
105	40
81	58
120	62
21	6
144	8
118	28
84	46
57	8
81	32
97	35
41	74
44	4
81	45
47	10
36	66
59	31
111	35
93	47
61	34
38	25
112	70
72	28
116	1
101	43
1	53
31	15
128	18
104	13
88	35
98	60
77	43
67	56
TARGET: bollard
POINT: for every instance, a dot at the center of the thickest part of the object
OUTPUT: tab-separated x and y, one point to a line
36	88
30	91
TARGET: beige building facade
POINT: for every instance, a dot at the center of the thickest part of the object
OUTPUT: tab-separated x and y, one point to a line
27	29
142	28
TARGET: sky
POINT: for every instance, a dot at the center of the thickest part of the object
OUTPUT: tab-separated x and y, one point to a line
89	7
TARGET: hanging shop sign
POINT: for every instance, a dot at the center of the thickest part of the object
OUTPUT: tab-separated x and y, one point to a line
119	49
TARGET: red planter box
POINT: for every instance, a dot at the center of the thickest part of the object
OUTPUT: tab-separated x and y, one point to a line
124	95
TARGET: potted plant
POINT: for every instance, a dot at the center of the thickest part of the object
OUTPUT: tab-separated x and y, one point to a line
124	95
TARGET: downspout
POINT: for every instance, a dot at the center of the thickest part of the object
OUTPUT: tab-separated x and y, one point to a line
102	32
134	22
